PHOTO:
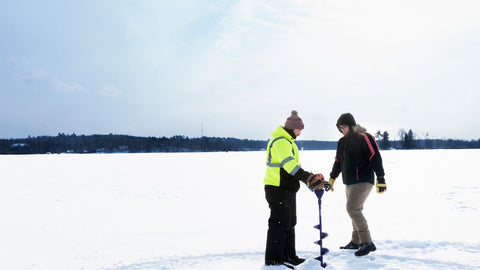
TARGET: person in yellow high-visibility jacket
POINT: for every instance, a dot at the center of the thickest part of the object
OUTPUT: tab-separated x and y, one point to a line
282	181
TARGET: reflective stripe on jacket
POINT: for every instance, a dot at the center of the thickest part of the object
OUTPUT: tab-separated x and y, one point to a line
282	161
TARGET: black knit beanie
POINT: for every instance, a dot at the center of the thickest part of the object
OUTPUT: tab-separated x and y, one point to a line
346	119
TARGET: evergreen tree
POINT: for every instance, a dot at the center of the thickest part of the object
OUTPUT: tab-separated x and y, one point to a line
407	139
412	144
385	143
383	139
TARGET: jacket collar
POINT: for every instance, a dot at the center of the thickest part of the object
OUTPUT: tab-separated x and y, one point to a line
281	132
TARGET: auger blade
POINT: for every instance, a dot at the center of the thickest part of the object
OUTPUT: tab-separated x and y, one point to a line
323	234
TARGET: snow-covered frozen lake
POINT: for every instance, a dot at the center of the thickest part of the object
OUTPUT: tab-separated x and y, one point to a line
207	211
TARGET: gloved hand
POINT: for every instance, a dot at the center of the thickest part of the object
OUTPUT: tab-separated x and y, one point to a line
381	185
315	181
329	185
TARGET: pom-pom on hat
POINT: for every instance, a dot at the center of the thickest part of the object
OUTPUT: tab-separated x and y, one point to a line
294	121
346	119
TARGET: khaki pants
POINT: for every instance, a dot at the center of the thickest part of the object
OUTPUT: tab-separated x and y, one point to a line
356	196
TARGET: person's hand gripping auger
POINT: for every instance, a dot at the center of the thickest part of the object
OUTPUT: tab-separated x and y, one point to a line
315	181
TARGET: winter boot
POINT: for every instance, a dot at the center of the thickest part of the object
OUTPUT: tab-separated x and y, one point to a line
286	264
272	262
296	261
350	245
366	248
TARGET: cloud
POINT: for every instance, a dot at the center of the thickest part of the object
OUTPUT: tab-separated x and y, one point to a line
325	58
110	91
249	62
24	72
65	85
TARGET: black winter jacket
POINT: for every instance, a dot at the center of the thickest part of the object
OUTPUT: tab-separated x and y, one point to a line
357	159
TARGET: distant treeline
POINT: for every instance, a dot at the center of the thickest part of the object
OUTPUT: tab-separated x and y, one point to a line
124	144
111	143
409	140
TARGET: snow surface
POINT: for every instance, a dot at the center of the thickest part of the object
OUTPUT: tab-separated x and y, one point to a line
207	211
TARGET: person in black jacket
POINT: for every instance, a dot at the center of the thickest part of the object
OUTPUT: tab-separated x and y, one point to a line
357	158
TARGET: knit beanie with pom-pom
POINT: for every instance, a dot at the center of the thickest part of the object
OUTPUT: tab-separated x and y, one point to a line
294	121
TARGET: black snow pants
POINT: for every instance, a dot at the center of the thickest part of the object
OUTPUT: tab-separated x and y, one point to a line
281	224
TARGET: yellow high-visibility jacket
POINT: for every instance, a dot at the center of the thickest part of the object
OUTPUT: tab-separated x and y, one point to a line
283	167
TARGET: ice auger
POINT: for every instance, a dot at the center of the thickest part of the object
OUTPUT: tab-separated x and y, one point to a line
323	235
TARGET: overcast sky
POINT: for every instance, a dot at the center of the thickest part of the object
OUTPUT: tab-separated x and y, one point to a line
162	68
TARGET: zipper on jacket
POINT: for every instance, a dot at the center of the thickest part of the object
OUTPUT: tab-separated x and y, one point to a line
358	178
